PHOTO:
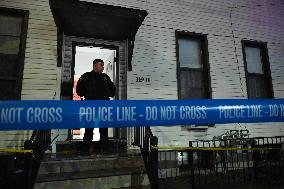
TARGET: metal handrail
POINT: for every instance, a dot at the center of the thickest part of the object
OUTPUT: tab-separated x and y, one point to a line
38	143
150	156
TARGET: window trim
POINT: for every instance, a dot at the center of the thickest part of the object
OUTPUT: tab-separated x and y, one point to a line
23	38
205	61
265	67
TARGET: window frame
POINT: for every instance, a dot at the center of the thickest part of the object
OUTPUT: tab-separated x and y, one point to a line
265	66
22	47
204	61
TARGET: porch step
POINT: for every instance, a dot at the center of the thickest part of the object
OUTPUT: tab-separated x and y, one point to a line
137	187
72	146
180	182
90	163
88	174
95	171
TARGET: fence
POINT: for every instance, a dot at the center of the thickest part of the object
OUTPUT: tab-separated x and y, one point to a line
220	163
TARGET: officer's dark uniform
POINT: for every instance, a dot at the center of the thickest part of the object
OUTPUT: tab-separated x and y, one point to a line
95	86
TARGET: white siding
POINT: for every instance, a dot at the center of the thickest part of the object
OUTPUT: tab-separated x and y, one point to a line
226	23
40	71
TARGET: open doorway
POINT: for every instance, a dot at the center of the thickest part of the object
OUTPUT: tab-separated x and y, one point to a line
83	62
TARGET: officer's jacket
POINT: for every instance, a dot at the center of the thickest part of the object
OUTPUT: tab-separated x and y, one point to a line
95	86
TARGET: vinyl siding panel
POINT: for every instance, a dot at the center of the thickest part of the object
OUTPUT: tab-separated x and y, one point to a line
40	71
263	21
226	24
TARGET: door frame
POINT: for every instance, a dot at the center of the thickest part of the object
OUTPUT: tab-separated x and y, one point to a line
116	61
110	47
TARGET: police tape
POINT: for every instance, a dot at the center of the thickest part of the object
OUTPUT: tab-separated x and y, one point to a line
183	148
6	150
52	114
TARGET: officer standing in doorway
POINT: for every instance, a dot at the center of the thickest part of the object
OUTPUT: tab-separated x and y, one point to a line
95	85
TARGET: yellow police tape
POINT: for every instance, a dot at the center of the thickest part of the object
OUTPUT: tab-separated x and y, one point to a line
208	148
15	151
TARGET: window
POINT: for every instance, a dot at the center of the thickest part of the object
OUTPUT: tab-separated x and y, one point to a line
192	67
258	77
13	30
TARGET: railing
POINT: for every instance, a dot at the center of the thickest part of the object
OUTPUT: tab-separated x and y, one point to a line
141	135
220	163
145	139
19	167
38	143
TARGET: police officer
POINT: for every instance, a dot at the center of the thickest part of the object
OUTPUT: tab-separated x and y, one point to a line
95	85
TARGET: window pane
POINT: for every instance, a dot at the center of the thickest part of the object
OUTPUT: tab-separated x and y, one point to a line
10	25
9	45
253	59
189	53
257	87
7	89
8	65
191	84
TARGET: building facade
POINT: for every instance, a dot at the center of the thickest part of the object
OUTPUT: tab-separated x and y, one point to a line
184	49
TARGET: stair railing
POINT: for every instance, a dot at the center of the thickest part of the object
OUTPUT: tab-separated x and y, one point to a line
38	143
149	154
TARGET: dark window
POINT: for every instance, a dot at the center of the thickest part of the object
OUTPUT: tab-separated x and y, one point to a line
13	31
258	77
193	66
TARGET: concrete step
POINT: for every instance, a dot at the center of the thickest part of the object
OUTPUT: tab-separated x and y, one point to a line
90	174
136	187
90	163
113	182
93	171
112	146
